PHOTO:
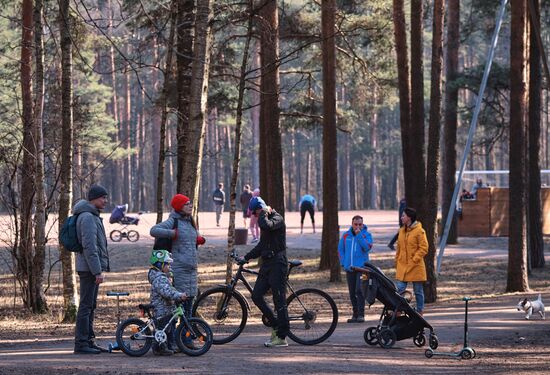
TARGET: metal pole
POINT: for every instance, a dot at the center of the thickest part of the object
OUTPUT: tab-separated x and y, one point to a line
473	126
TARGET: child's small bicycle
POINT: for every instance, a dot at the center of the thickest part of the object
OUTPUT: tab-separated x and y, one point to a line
135	337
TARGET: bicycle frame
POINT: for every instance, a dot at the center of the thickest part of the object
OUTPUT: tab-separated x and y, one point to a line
178	313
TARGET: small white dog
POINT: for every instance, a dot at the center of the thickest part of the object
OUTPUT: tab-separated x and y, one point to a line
531	307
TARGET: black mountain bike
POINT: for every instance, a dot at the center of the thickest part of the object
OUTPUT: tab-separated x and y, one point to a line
312	313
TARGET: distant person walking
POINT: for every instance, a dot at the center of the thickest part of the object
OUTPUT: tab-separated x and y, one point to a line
254	228
412	247
353	250
307	204
218	196
90	265
245	198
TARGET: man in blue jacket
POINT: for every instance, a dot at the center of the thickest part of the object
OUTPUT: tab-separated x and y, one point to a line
353	249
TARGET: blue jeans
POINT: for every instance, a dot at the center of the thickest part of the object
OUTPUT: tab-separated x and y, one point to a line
418	287
356	296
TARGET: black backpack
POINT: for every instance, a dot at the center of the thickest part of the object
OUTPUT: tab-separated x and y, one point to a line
68	236
165	243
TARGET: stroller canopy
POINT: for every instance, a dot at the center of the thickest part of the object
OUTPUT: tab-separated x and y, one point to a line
118	213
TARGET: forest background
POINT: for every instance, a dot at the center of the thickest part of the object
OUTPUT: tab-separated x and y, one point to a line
153	98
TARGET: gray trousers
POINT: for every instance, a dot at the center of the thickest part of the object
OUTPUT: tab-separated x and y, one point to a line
84	330
219	212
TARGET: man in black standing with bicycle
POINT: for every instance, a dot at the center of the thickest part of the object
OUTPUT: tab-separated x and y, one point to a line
273	271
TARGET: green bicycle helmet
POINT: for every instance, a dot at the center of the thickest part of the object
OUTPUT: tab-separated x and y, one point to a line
160	256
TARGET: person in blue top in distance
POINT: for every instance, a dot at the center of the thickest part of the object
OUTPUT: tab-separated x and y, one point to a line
307	204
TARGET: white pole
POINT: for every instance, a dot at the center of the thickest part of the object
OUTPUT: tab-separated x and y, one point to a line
471	132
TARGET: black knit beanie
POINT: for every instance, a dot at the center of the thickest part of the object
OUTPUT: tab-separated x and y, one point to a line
96	191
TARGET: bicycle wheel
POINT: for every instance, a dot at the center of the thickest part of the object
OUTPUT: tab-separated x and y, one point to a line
312	316
132	236
225	313
131	337
115	235
194	339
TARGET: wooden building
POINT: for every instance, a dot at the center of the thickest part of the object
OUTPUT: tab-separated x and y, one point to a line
487	215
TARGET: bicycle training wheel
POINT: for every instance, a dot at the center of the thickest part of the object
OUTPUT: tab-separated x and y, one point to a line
132	236
194	339
312	316
225	313
115	235
131	337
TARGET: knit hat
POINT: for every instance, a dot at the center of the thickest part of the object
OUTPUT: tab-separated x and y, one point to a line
256	203
178	201
96	191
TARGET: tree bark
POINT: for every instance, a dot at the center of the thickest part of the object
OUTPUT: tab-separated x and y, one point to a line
164	114
184	61
416	147
39	298
400	37
534	225
65	179
448	155
193	131
271	156
27	172
432	176
329	240
517	241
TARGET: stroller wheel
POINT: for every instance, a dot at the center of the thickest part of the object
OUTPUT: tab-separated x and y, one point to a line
386	338
132	236
420	340
115	235
370	336
434	342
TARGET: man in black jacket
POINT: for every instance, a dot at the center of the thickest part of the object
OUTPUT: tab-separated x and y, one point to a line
273	271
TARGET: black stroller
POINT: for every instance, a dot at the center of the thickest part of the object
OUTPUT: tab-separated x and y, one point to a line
119	216
398	320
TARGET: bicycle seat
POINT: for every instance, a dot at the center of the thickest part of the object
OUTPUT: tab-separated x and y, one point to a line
146	307
294	263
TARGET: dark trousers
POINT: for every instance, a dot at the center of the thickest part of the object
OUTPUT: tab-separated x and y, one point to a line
273	274
84	330
355	288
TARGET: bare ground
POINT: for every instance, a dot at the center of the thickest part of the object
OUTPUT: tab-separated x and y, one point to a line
504	341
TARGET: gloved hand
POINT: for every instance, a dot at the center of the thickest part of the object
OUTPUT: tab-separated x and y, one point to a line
240	261
183	296
201	240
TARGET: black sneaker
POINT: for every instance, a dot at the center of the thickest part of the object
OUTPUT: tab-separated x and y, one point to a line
353	319
85	350
360	319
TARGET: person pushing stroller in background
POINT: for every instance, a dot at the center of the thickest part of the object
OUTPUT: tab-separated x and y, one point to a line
163	297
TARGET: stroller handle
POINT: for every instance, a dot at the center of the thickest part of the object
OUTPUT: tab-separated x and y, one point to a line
360	269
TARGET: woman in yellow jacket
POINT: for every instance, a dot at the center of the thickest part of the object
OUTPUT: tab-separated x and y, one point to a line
412	247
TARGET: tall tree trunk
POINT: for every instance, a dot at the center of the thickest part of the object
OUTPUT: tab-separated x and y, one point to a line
65	178
517	242
184	66
432	176
238	135
416	147
193	130
448	155
27	179
40	212
164	114
400	37
127	137
329	240
534	225
374	193
255	118
271	155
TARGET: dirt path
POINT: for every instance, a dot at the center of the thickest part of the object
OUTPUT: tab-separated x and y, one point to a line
504	340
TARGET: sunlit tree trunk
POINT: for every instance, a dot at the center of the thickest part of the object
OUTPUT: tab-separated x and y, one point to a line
432	176
65	179
329	240
517	241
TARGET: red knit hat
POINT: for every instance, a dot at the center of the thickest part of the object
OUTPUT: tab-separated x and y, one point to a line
178	201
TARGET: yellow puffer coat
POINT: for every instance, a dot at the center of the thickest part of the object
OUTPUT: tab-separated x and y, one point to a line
412	247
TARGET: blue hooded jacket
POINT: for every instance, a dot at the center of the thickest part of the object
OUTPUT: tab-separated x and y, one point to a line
353	250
